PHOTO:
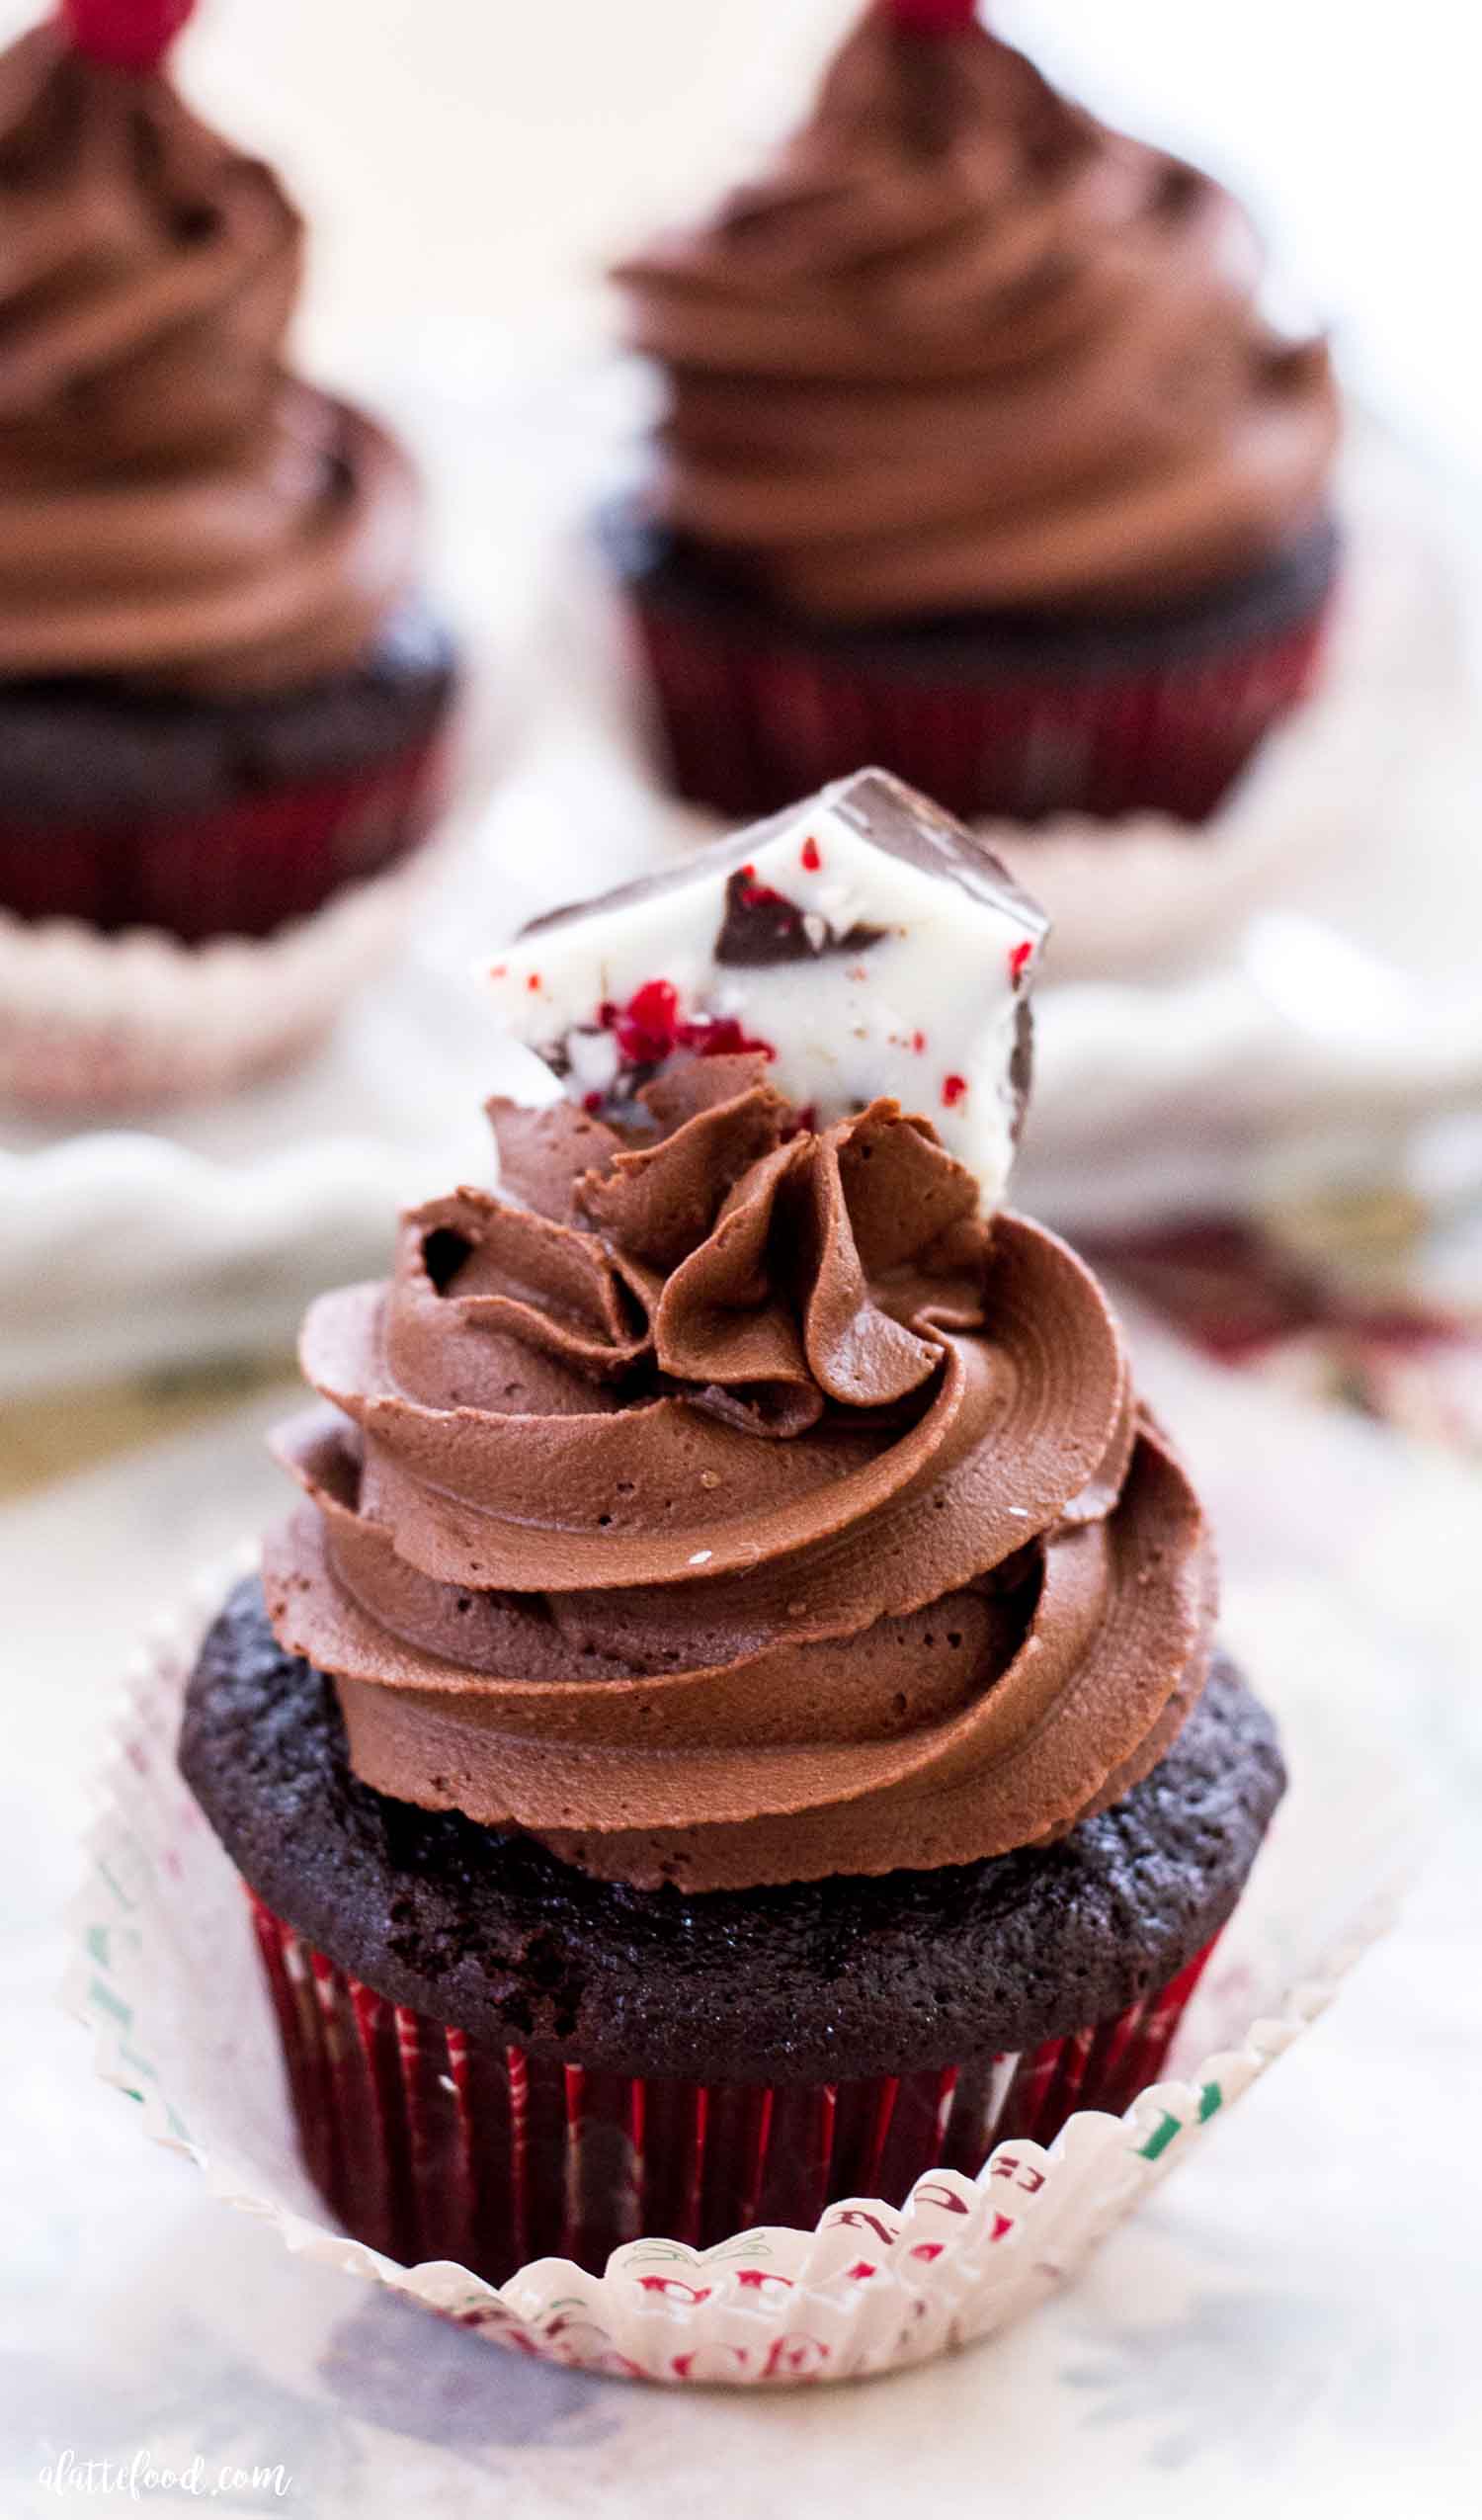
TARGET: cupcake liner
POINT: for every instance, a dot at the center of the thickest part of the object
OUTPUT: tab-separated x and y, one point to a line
1125	896
429	2144
168	1973
244	868
97	1024
747	722
999	717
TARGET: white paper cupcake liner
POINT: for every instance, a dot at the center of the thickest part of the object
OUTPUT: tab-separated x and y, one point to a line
166	1971
95	1024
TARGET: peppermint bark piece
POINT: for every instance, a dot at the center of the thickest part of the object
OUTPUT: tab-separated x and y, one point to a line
866	942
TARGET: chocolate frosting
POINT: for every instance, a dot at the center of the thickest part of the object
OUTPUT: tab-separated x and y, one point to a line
174	506
741	1507
961	346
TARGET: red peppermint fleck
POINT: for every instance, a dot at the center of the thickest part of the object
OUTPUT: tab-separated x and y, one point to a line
718	1037
918	1042
125	34
753	895
499	970
648	1028
811	856
592	1101
952	1090
534	980
1019	957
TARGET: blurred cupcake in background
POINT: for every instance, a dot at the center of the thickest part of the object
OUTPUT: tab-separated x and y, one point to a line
223	700
979	456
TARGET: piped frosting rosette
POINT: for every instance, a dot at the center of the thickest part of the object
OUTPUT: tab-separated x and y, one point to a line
174	505
740	1506
961	346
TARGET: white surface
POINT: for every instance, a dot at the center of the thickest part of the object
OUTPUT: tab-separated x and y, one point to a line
1290	2321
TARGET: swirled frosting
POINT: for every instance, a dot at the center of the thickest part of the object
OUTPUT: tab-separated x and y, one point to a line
174	506
728	1502
961	346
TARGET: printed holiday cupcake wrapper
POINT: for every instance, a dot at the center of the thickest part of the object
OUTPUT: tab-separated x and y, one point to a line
428	2143
167	1971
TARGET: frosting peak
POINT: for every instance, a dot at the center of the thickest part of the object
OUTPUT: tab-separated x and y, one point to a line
961	346
173	505
777	1268
730	1502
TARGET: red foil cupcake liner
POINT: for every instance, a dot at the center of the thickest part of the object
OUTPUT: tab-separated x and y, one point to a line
750	724
427	2145
246	868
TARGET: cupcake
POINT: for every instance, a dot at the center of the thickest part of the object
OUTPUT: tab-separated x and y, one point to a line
736	1719
222	698
977	457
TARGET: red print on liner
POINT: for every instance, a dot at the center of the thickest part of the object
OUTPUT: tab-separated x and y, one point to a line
953	1089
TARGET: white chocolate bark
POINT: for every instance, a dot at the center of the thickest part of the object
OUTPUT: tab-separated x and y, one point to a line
865	938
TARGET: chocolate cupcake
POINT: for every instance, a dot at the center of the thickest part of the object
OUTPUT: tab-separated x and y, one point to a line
736	1721
223	698
979	456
